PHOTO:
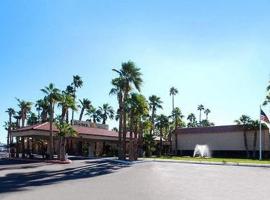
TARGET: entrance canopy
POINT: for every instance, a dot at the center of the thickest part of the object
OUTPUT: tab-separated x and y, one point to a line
43	129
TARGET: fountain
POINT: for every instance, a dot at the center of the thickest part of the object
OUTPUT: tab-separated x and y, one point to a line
202	151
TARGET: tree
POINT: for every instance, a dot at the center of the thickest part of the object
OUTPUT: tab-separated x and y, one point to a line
173	92
255	125
64	130
53	96
245	121
129	77
93	114
77	83
85	105
200	108
178	122
154	103
11	112
106	111
66	101
118	88
25	107
192	120
32	119
162	122
137	107
42	106
206	112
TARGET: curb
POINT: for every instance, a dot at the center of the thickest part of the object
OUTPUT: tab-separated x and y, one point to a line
209	163
44	161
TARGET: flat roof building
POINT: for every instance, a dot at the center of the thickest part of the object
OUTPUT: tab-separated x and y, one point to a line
221	140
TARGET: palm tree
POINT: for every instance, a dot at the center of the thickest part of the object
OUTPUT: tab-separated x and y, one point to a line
106	111
18	118
11	112
177	117
192	120
25	107
65	130
137	107
245	121
206	112
93	114
154	103
255	125
32	119
173	92
77	83
42	106
200	108
85	104
118	84
66	101
53	96
162	122
129	76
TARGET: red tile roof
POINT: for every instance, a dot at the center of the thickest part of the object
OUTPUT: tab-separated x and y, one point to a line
212	129
81	130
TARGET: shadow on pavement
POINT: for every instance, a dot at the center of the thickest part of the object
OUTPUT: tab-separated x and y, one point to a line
20	181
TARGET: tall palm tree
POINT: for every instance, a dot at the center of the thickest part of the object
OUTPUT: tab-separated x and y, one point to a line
206	112
162	122
154	104
192	120
94	114
85	105
25	107
106	111
173	92
53	96
77	83
245	121
130	76
118	88
137	106
200	108
11	112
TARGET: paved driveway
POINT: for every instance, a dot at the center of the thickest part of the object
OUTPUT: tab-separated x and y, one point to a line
110	180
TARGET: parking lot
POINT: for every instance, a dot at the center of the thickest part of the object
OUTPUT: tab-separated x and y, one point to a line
109	179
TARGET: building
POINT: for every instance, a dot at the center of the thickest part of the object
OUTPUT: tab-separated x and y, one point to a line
223	141
91	140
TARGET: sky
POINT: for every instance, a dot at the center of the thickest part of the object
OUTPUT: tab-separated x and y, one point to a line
216	53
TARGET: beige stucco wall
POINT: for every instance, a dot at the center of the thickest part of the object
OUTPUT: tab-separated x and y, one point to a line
219	141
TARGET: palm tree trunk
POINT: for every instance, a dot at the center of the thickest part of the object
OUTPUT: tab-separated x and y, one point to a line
246	144
81	114
160	142
135	145
255	144
131	154
51	131
120	131
152	121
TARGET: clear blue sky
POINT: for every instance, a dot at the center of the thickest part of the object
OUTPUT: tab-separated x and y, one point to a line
216	53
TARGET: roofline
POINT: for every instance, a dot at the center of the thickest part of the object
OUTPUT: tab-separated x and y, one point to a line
213	129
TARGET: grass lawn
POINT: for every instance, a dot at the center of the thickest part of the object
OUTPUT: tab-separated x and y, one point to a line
223	160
